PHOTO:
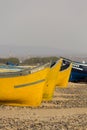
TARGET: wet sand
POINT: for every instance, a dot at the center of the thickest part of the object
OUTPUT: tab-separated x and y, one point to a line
67	111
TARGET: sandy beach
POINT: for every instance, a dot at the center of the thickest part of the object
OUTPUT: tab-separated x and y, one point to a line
67	111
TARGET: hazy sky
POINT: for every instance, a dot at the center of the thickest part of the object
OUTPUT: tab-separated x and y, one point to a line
43	27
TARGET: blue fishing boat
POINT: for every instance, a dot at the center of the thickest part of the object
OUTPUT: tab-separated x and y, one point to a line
79	70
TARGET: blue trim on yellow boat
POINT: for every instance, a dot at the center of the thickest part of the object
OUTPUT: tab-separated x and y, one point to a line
28	84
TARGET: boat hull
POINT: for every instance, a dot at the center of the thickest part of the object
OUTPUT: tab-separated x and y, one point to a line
51	81
79	71
24	90
63	77
78	75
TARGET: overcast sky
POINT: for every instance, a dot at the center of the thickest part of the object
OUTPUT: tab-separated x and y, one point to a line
43	27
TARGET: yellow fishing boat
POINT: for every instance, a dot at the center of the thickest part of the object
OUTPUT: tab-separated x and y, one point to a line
23	89
51	81
63	76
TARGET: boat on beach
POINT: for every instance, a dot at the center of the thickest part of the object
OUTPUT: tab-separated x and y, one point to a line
50	83
79	70
24	88
64	75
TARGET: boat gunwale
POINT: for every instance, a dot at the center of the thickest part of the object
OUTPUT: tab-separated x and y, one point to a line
75	62
23	72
